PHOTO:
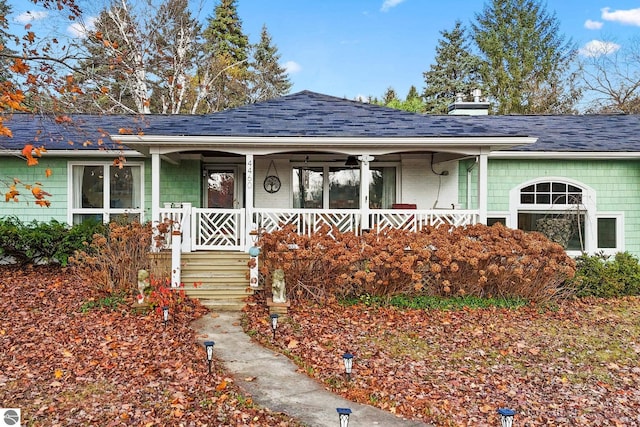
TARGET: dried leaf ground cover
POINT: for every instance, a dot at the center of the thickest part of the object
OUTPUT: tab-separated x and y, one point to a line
62	366
577	365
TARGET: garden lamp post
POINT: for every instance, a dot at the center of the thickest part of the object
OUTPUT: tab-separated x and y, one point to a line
208	345
165	315
274	323
347	358
506	416
343	416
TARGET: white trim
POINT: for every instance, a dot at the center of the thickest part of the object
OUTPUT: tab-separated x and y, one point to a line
79	153
502	214
620	242
105	211
261	145
565	155
588	205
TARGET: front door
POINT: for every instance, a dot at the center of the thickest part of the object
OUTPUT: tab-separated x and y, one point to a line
221	188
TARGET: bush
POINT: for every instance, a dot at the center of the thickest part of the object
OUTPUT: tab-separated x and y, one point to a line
599	276
111	261
475	260
41	242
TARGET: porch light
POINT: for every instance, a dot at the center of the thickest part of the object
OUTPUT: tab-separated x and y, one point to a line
274	323
506	416
343	416
351	161
165	315
347	358
208	345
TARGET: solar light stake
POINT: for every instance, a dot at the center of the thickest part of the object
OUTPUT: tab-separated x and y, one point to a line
165	315
506	416
347	358
274	323
343	416
208	345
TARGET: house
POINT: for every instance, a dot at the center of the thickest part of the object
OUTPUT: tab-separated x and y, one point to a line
312	159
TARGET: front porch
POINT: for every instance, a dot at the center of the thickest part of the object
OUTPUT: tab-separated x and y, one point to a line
235	229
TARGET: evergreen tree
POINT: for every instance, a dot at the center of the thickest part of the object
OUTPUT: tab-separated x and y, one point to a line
389	96
456	70
525	59
269	79
228	49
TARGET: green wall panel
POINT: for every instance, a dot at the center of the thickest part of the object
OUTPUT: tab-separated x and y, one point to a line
616	183
56	184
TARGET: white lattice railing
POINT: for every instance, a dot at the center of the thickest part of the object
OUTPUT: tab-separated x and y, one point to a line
215	229
218	229
416	220
307	221
179	216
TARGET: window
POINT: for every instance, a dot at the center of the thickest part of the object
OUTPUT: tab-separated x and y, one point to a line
103	192
496	219
565	211
566	228
610	235
338	187
606	233
551	193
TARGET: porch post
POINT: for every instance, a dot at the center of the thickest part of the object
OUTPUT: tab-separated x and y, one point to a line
483	192
248	197
155	186
364	191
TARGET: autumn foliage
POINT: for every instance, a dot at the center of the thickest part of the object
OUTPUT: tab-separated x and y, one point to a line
475	260
63	365
576	365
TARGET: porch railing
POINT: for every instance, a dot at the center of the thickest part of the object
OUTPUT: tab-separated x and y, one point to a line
226	229
308	221
218	229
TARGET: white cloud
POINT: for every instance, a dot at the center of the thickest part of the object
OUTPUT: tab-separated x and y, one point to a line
625	17
80	29
597	48
292	67
30	16
388	4
592	25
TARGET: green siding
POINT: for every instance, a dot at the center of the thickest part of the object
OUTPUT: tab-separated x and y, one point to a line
615	182
56	184
179	183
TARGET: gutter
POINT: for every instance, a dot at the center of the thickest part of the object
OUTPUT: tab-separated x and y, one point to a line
566	155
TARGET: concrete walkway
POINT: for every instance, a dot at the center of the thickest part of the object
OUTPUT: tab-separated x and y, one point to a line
277	384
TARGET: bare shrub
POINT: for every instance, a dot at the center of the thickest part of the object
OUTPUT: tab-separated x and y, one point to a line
111	261
474	260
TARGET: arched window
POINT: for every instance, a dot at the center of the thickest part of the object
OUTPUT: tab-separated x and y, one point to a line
551	193
565	211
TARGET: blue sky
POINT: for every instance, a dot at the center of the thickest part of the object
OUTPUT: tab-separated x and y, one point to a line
359	48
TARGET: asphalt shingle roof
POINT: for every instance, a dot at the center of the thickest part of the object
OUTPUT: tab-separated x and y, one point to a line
306	114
